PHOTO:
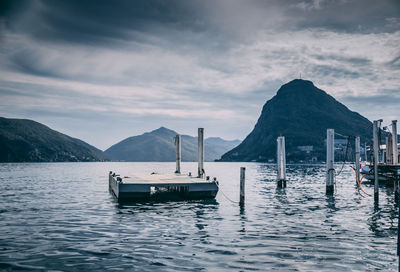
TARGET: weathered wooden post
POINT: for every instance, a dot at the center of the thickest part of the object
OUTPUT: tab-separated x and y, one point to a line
281	161
376	160
330	158
398	235
200	152
357	148
395	161
242	185
389	150
395	151
178	153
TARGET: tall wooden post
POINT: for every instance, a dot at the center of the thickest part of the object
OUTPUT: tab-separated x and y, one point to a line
178	153
281	161
330	159
200	152
242	185
389	150
376	160
395	151
357	162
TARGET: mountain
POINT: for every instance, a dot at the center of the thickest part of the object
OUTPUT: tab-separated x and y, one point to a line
301	112
159	145
29	141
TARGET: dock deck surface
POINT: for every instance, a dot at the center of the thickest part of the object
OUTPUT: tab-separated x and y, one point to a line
149	186
162	179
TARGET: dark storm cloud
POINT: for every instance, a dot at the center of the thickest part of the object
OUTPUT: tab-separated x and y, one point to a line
213	63
348	16
98	22
387	97
331	71
352	60
101	21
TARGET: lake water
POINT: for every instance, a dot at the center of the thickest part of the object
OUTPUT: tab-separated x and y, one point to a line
61	217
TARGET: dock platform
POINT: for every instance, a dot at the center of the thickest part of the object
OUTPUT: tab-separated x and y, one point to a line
143	187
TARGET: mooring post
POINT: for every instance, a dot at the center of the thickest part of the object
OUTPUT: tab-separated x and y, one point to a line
242	185
395	151
281	161
178	153
200	152
330	159
398	235
357	162
395	159
376	160
389	149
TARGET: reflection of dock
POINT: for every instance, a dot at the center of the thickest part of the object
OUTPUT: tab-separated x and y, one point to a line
153	186
160	186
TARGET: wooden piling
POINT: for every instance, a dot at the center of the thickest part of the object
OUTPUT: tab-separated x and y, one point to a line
242	185
376	160
200	152
330	158
281	161
389	150
357	157
178	153
395	151
395	160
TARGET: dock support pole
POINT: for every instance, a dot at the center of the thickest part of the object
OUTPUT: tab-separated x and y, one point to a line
398	235
200	152
389	150
178	153
330	158
395	151
357	162
242	185
281	161
376	160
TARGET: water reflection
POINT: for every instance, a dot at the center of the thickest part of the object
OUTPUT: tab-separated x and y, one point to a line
280	195
331	203
297	228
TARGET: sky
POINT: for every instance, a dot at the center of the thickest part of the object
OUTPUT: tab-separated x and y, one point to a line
103	70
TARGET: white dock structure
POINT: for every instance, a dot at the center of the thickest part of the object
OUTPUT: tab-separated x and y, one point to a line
178	153
357	156
376	127
200	152
330	159
395	152
154	186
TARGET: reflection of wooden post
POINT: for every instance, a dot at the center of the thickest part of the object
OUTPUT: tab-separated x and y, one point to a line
395	151
330	158
242	185
357	148
178	153
376	160
200	152
281	161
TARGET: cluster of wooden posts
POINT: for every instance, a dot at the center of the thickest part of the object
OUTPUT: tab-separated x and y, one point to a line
200	153
392	154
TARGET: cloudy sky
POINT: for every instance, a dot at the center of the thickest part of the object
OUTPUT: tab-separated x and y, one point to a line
105	70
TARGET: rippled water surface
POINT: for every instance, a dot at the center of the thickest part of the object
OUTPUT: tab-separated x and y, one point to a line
61	216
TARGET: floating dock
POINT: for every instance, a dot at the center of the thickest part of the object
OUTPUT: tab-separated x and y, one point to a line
177	186
160	186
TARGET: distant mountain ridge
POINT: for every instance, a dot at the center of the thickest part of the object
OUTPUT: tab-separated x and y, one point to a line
159	145
24	140
301	112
